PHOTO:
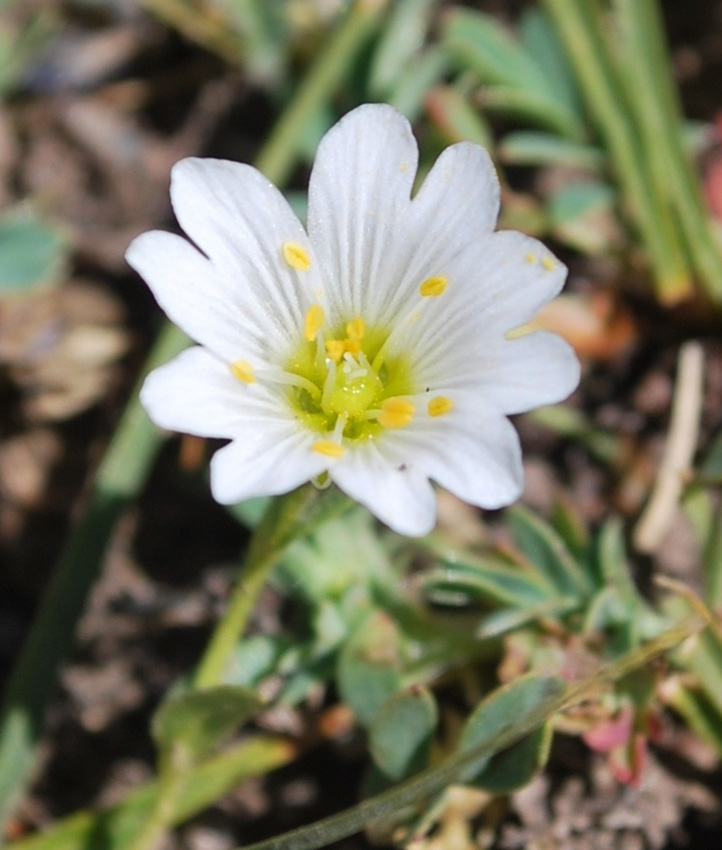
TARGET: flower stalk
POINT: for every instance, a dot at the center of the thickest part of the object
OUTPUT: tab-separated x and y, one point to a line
286	518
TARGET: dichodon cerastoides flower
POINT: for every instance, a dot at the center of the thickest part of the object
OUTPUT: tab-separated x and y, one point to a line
370	347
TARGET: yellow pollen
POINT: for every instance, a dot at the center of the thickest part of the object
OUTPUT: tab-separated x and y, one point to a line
296	256
396	413
353	346
335	349
314	321
243	370
440	405
355	328
531	258
549	264
328	448
433	287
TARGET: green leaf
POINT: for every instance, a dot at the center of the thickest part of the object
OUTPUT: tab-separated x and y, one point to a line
613	563
527	106
704	660
515	767
403	37
412	86
567	521
582	215
400	735
497	714
532	147
190	724
511	619
485	580
539	38
341	554
520	86
547	552
702	715
255	658
481	43
369	666
32	253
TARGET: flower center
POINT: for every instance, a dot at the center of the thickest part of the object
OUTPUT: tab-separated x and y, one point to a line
349	386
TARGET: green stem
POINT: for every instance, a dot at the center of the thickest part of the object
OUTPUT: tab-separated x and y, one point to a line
581	28
129	456
659	116
170	789
286	518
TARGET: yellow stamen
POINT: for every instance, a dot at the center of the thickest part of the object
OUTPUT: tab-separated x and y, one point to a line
314	321
355	328
353	346
433	287
296	256
531	258
335	349
549	264
440	405
243	371
328	448
396	413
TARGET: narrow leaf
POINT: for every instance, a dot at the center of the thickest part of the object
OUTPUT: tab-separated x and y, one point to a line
546	550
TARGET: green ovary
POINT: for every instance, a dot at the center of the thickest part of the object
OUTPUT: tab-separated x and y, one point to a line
357	390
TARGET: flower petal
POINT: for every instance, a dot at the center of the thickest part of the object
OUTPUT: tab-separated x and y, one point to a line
473	453
272	457
195	393
242	222
399	495
458	201
494	286
358	204
188	290
536	369
456	207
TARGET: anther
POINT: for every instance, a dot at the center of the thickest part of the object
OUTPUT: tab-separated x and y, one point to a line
296	256
396	413
335	349
356	328
531	258
243	371
440	405
328	448
433	287
314	321
549	264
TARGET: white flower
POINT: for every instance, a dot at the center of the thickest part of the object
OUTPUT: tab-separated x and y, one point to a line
370	348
